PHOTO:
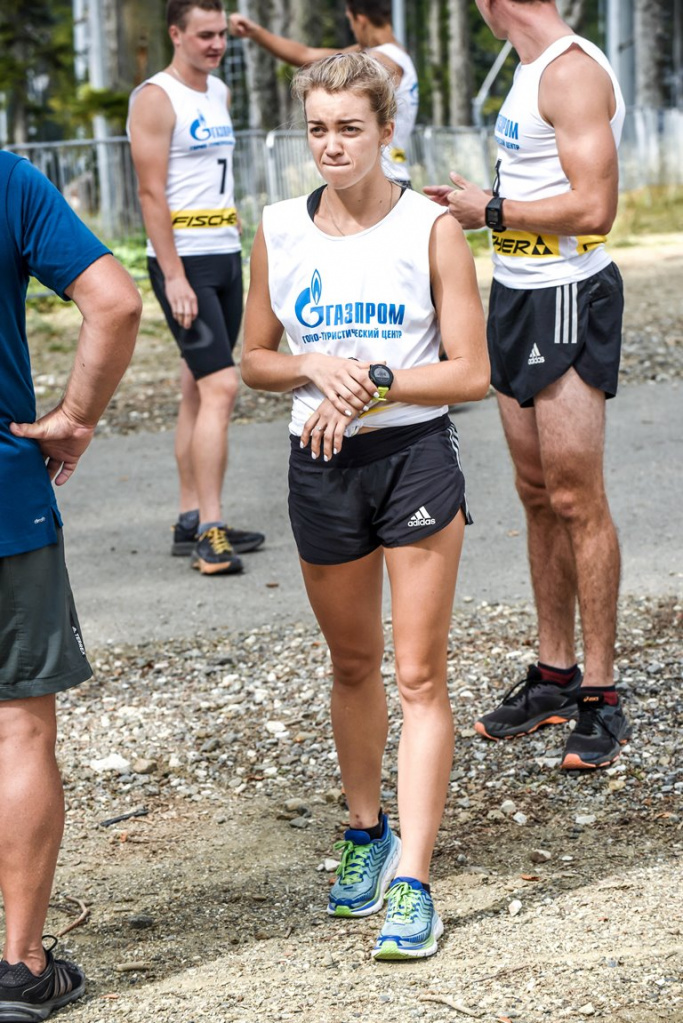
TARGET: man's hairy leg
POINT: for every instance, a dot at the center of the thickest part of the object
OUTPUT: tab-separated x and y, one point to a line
31	823
551	558
570	417
217	395
187	417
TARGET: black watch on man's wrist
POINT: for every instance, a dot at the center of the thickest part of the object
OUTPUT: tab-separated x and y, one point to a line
382	378
494	213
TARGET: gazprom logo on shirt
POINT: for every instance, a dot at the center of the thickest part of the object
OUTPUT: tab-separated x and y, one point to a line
507	132
312	313
201	132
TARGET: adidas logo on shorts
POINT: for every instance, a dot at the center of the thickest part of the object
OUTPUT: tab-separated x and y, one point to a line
535	356
421	518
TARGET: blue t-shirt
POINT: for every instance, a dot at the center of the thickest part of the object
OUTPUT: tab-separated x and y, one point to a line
40	236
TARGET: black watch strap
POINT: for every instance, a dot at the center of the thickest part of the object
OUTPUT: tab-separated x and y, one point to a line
494	213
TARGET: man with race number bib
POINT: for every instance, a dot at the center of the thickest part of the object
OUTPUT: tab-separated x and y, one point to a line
554	333
182	142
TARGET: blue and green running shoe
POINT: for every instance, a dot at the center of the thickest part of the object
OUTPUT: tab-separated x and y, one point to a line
365	872
412	926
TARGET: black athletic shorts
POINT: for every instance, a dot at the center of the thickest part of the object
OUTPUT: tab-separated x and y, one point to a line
217	282
386	488
535	336
41	650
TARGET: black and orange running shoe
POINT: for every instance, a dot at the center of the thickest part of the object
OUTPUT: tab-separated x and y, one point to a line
214	554
529	704
601	731
242	541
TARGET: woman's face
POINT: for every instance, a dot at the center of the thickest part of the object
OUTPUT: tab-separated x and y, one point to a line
344	136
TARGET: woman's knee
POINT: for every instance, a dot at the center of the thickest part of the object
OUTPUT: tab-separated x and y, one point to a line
420	681
354	668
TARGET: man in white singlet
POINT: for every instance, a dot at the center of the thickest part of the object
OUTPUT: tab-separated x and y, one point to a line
554	333
182	143
370	22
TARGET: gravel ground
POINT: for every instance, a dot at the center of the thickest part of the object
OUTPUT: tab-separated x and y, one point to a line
200	906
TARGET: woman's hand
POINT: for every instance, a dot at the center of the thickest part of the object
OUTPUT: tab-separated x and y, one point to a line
344	382
324	430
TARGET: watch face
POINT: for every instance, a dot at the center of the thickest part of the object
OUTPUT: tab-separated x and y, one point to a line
494	218
382	376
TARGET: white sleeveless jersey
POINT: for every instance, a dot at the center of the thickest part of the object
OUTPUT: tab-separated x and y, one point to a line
395	156
530	169
200	183
365	296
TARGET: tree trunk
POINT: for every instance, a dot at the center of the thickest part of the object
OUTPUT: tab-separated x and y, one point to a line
650	18
459	64
436	63
572	11
264	101
144	46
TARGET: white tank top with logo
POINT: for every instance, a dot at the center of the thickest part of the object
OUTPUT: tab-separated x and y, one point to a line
395	156
530	169
200	183
365	296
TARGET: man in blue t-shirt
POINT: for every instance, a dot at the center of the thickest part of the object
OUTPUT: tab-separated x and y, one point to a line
41	651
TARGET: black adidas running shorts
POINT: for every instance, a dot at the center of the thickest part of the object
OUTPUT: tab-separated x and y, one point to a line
41	650
386	488
216	280
535	336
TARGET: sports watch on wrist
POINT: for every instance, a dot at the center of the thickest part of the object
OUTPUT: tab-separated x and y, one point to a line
382	378
494	213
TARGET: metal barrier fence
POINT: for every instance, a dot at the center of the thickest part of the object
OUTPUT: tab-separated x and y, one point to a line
98	178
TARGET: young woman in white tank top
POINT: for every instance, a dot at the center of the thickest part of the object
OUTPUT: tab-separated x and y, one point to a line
367	281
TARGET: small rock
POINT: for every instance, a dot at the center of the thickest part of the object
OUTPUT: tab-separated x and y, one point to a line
275	727
210	746
540	856
329	864
585	818
334	796
515	907
508	807
297	806
299	822
495	815
520	818
114	762
144	766
587	1010
141	921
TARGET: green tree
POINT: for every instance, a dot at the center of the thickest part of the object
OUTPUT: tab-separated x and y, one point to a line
36	68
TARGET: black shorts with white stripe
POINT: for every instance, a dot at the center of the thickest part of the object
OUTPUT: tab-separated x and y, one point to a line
389	487
535	336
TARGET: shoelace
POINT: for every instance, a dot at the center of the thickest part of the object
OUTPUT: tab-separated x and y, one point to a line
589	714
218	539
520	690
352	864
402	903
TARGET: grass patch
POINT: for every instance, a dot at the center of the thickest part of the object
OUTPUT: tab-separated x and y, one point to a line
650	210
